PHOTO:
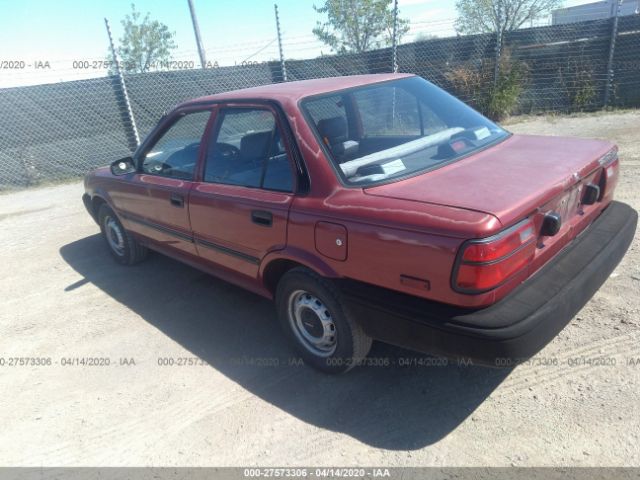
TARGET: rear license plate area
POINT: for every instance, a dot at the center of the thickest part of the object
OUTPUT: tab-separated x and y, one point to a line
569	204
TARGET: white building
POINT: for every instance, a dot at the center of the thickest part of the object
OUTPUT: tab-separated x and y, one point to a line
594	11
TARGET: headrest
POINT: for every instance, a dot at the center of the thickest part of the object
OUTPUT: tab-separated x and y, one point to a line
332	128
254	145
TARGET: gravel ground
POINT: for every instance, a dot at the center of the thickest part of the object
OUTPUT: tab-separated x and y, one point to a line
63	298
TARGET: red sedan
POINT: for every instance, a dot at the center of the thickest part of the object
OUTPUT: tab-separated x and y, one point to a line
374	207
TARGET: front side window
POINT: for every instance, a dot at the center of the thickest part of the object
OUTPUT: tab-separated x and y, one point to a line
248	151
394	129
175	153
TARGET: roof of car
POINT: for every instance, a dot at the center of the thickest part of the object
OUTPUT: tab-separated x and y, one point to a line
299	89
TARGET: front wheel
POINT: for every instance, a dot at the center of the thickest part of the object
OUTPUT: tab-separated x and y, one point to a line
124	248
315	321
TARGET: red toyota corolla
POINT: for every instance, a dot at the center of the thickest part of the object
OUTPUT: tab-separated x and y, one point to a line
374	207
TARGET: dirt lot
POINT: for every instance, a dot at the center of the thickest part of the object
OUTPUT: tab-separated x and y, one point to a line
64	298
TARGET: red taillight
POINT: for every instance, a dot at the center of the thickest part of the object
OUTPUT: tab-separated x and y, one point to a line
485	264
486	251
609	177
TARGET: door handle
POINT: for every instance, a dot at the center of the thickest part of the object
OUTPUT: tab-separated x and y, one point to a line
262	217
176	200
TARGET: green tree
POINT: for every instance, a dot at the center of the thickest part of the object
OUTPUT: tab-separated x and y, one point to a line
145	43
483	16
357	25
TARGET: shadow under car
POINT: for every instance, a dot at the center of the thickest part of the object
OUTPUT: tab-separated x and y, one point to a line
402	406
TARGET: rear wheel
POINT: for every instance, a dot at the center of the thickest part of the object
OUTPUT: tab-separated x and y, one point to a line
316	322
122	245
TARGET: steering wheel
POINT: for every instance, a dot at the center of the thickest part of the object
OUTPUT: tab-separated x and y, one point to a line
183	157
155	166
225	151
192	146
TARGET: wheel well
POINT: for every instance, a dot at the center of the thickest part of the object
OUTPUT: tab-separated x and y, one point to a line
275	270
96	203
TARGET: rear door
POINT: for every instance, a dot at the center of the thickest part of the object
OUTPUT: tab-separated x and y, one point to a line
239	210
153	202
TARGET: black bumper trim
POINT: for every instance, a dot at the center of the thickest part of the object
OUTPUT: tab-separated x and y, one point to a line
160	228
228	251
519	325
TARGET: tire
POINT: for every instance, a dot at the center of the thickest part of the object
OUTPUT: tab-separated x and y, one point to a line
316	321
123	247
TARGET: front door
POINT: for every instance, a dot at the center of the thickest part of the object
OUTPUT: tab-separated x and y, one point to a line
239	210
154	202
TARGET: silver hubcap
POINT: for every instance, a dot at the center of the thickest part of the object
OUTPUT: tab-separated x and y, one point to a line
114	235
312	324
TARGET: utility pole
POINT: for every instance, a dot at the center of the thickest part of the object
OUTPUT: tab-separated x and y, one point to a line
612	47
196	31
499	40
283	66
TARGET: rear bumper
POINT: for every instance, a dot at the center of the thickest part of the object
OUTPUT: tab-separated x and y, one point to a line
514	328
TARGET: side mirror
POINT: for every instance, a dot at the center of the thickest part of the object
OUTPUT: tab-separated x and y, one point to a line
123	166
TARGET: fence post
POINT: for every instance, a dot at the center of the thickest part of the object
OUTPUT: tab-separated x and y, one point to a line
283	66
612	48
394	40
496	68
123	86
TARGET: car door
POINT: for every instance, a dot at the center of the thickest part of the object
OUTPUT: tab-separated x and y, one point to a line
154	203
239	210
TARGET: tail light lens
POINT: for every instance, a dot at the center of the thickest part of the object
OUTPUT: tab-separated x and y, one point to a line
609	178
487	263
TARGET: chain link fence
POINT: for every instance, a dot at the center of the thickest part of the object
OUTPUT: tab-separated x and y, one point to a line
61	130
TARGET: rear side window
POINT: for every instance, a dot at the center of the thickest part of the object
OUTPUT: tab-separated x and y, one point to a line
247	150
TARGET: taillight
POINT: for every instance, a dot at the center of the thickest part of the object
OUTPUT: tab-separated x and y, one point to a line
487	263
609	177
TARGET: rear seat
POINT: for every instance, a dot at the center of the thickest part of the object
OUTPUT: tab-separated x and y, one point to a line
253	151
334	134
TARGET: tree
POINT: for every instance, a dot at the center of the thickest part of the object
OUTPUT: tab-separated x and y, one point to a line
483	16
358	25
145	44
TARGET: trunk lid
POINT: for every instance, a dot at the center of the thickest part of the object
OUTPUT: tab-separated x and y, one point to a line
510	180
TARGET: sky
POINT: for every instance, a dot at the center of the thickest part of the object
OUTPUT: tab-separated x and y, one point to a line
62	32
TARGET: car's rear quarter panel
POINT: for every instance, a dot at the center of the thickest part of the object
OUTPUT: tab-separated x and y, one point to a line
391	242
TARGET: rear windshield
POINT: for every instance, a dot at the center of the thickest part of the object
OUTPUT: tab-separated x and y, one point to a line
394	129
